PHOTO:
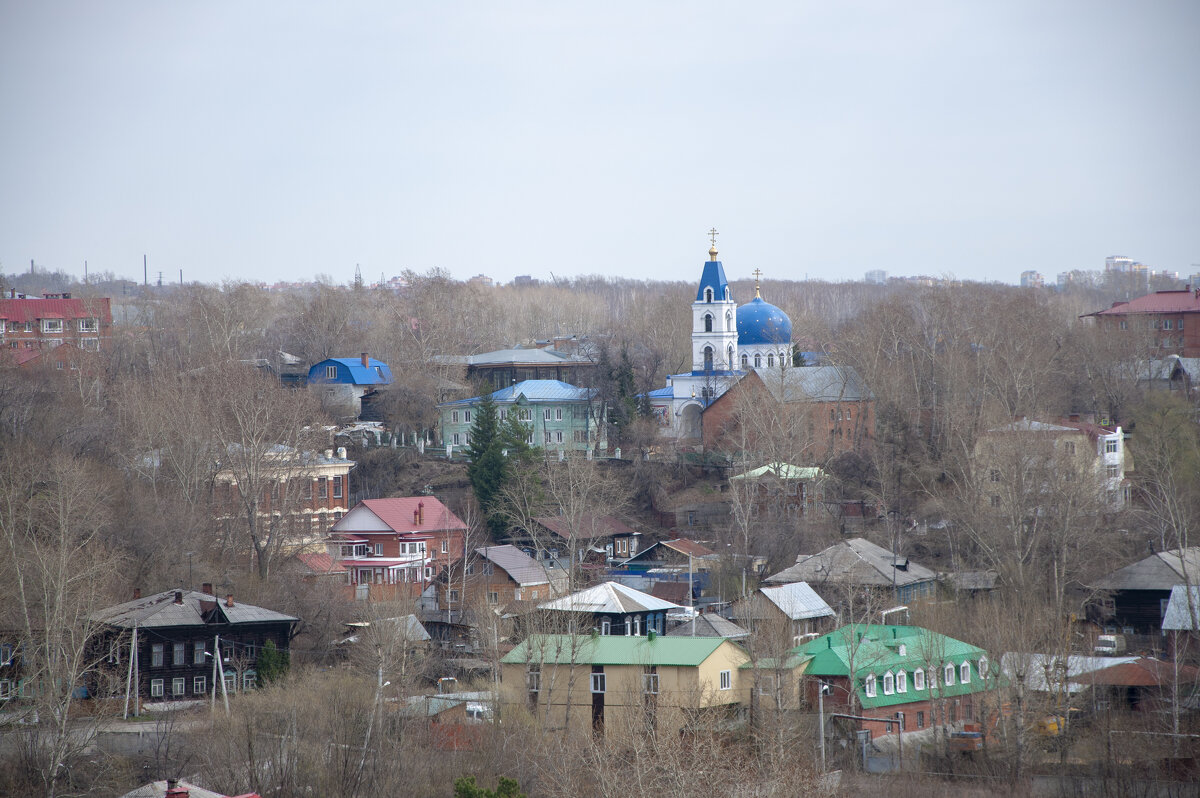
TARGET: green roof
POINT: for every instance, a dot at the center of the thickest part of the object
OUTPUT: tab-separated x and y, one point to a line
876	649
783	471
614	650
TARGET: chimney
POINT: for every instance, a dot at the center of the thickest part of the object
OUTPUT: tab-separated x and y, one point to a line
329	454
174	790
341	452
178	596
137	593
416	515
420	513
207	605
228	599
366	361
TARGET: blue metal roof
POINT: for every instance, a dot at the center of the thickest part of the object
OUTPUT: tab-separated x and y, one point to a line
713	277
662	393
760	322
350	370
534	391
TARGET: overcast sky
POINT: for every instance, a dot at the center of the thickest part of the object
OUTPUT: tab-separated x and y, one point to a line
282	140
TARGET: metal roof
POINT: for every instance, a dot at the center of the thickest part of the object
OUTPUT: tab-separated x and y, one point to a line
1182	615
857	561
614	650
32	309
782	471
1041	672
1160	571
709	624
797	601
609	597
396	515
375	373
520	566
814	384
1174	301
160	610
590	526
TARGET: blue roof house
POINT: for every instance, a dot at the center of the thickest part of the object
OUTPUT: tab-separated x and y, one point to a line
560	417
341	382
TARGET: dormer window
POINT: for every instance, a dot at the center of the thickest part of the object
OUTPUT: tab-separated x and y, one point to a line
708	295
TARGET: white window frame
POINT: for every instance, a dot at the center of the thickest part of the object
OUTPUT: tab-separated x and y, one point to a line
158	655
50	326
378	549
199	685
902	681
982	667
889	683
919	679
948	674
178	654
89	325
198	652
533	679
650	683
605	626
230	680
466	416
179	686
964	672
558	414
331	372
726	680
869	686
598	683
249	680
1112	446
156	688
454	418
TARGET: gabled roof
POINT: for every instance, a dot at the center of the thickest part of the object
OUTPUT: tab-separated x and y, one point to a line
396	515
782	471
523	569
1161	571
687	547
160	610
1141	672
519	356
797	601
854	562
1181	614
532	391
320	563
376	372
1174	301
609	597
614	650
404	627
709	624
671	591
814	384
1038	671
590	526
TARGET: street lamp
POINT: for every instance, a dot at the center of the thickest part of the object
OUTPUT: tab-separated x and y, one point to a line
821	692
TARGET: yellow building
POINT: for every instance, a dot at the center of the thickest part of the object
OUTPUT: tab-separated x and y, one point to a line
623	685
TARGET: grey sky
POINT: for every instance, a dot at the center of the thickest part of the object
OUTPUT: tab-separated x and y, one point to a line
280	140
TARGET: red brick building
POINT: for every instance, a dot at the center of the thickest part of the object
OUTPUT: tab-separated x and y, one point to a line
54	319
1168	321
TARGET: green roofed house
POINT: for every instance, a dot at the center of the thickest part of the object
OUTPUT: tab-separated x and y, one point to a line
876	671
621	685
560	417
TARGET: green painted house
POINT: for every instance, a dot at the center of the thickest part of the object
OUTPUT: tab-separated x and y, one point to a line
560	416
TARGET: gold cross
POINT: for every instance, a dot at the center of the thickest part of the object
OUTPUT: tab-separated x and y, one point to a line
757	274
712	235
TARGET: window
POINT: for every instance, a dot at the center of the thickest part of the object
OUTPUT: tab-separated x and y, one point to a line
708	322
156	656
533	679
869	685
948	674
726	680
546	414
378	549
918	679
757	360
745	361
708	295
1179	326
6	654
322	488
230	680
994	475
156	688
198	685
52	325
598	684
249	680
902	682
1069	447
454	417
920	720
995	499
1112	446
650	683
1168	324
889	683
983	667
548	437
1123	324
605	627
493	597
453	596
198	653
5	688
178	685
456	439
337	487
558	414
331	372
771	360
964	673
1114	472
558	437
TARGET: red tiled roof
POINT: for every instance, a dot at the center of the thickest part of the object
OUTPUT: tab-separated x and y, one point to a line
34	309
685	546
321	563
398	514
1143	672
590	526
1186	301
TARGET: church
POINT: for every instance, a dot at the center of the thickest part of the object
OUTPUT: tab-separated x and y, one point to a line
727	342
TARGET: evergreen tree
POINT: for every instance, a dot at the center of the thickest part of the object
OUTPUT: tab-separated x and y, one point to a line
486	470
272	663
464	787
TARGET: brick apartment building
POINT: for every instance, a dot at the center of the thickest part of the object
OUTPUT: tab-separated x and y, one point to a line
1168	321
54	319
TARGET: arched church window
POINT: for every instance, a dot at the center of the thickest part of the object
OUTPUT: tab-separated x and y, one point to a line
729	359
728	321
745	361
771	359
782	361
757	361
708	358
708	295
708	322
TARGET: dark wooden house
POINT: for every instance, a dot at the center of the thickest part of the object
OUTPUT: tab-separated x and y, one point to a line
1140	591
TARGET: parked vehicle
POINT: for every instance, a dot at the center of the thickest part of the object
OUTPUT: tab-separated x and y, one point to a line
1110	645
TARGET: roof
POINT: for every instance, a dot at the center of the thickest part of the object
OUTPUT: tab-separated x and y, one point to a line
523	569
376	372
1141	672
160	610
1160	571
158	789
609	597
814	384
1182	615
532	391
783	471
712	276
857	561
797	601
1040	670
520	356
671	591
614	650
396	515
320	563
760	322
405	627
1176	301
877	649
590	526
709	625
687	547
32	309
973	580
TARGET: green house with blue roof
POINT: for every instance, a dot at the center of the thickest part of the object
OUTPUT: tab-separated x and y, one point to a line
876	670
560	416
342	382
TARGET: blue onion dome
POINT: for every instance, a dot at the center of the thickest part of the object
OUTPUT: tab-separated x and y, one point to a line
760	322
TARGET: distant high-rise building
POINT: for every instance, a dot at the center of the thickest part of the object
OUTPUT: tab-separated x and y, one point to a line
1032	279
524	281
1120	263
876	277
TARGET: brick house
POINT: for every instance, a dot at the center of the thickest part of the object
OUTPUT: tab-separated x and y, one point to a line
496	576
44	323
1167	322
174	635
